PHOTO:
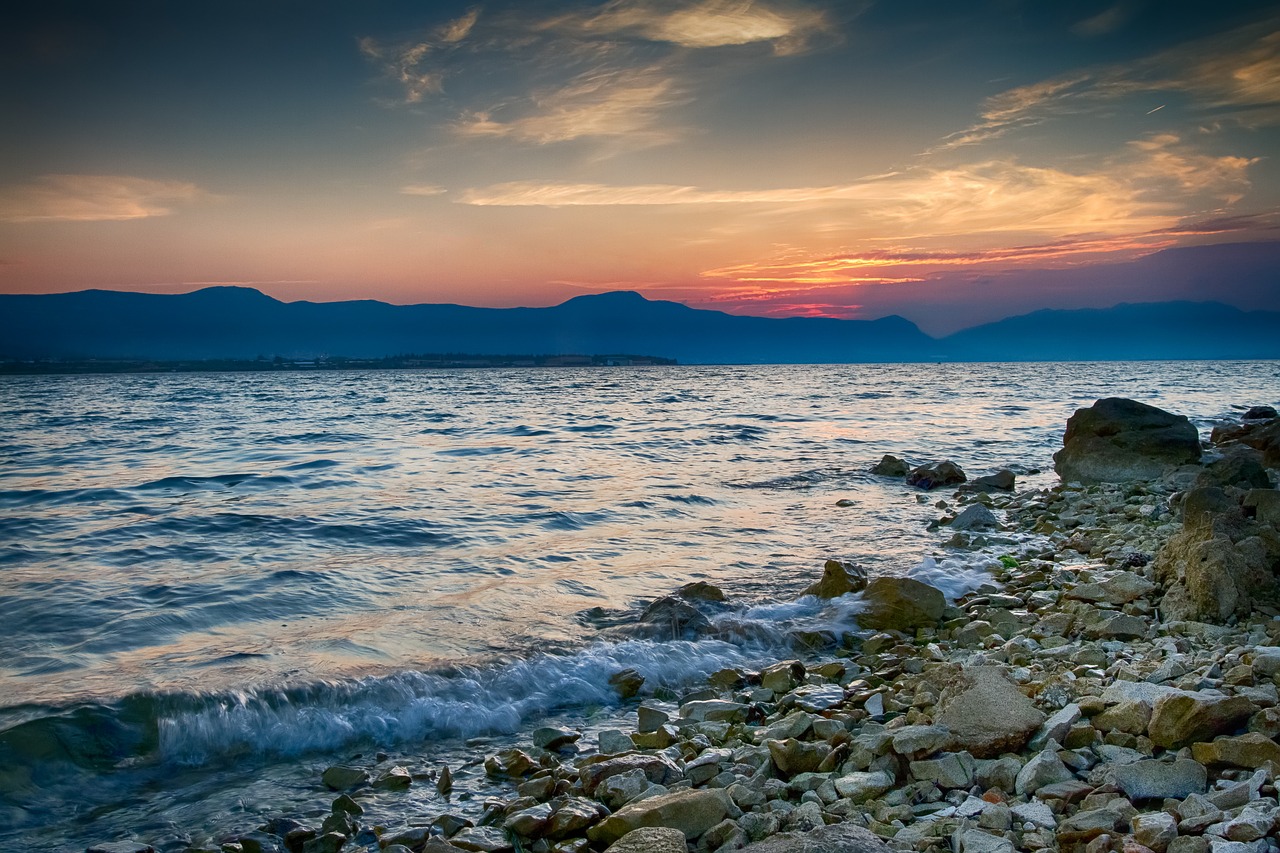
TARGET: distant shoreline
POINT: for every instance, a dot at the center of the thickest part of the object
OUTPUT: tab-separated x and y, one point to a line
279	364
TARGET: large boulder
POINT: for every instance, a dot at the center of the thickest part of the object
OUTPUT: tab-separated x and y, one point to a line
1222	562
838	578
650	839
1263	436
836	838
901	604
986	712
1118	440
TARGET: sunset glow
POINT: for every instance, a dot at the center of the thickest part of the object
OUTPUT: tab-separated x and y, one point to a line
773	157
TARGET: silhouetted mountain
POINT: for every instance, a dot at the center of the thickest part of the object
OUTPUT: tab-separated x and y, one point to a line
234	322
1160	330
240	323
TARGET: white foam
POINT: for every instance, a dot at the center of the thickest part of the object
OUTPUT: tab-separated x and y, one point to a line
954	578
415	705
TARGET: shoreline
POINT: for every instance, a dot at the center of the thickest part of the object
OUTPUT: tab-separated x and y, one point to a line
850	737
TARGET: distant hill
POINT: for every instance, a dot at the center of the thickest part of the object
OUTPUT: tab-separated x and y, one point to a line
236	322
241	323
1160	330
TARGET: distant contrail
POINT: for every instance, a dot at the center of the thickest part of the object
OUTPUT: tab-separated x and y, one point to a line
1157	109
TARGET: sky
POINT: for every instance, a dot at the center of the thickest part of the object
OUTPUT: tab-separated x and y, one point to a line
943	161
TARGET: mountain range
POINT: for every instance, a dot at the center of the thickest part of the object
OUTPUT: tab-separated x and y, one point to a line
238	322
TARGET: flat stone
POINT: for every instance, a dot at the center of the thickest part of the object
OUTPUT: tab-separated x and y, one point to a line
1121	627
121	847
966	710
818	697
554	737
921	741
650	839
710	710
1151	779
340	777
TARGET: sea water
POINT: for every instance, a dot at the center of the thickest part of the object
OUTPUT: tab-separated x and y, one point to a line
212	584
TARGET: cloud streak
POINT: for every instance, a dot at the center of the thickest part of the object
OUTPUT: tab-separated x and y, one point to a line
93	198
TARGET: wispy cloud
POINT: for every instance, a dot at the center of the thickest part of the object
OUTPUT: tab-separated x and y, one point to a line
93	198
787	27
1148	186
597	104
410	63
1237	70
423	189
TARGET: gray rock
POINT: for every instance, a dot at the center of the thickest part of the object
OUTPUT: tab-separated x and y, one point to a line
394	779
1035	812
792	756
650	839
1056	727
1155	830
966	709
1118	440
1045	768
657	769
480	839
1086	825
950	771
121	847
970	839
818	697
921	741
613	741
836	838
975	517
794	725
1152	779
713	710
863	786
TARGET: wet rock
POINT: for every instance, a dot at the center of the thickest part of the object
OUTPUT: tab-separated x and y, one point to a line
1002	480
650	839
1250	750
966	710
330	842
554	737
901	604
1259	413
1151	779
626	683
121	847
341	777
817	697
784	676
935	474
657	769
572	816
530	822
481	839
395	779
701	591
510	764
674	618
692	811
839	577
1184	718
975	517
836	838
890	466
1117	440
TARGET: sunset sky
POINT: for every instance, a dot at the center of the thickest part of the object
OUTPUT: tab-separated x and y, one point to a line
849	159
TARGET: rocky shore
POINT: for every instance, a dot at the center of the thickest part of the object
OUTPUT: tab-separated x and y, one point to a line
1113	688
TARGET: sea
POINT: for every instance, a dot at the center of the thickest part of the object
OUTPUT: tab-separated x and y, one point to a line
214	585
